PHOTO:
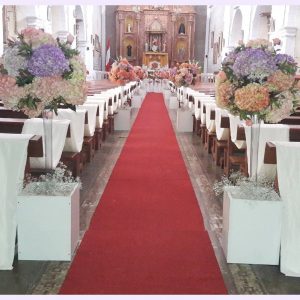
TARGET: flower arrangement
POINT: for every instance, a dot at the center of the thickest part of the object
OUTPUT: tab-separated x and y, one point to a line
39	72
58	183
255	80
153	65
185	74
122	72
140	72
162	74
244	188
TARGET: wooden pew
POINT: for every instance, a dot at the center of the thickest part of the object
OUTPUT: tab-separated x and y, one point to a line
270	150
218	147
71	159
234	157
209	136
8	113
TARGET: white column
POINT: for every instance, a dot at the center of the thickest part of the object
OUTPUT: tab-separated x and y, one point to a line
103	38
288	38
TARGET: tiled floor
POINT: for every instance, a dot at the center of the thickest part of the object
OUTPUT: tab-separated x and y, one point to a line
32	277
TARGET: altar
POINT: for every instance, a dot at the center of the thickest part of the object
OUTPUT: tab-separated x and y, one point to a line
160	58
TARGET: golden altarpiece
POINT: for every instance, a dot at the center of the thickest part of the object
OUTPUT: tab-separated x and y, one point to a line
155	35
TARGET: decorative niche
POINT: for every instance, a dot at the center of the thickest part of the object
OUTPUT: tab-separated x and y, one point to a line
129	24
129	48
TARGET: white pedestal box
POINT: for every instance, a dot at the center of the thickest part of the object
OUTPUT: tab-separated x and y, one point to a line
184	121
48	226
251	229
173	102
136	101
123	119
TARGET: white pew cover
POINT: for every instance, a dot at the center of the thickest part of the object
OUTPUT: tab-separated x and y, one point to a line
59	133
288	168
13	154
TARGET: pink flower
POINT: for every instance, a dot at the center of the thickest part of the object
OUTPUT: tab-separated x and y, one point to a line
70	39
223	94
276	41
252	97
280	81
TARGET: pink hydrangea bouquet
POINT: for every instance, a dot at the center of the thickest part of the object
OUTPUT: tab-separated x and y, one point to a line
140	72
255	80
162	74
122	72
185	74
39	72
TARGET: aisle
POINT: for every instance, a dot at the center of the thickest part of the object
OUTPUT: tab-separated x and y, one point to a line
147	234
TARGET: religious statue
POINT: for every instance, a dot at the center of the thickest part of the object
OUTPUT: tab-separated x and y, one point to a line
129	27
129	49
164	47
154	47
146	47
181	29
181	53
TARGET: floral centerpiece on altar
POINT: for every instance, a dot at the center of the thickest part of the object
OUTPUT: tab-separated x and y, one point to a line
39	72
122	72
255	80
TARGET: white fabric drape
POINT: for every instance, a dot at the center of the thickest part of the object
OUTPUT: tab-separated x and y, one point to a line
77	118
288	168
235	121
221	133
210	124
268	133
13	154
59	133
89	129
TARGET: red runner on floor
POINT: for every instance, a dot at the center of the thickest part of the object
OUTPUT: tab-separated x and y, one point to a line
147	234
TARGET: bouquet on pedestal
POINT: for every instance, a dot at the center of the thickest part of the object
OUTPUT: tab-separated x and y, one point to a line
185	74
39	72
122	72
140	72
255	80
162	74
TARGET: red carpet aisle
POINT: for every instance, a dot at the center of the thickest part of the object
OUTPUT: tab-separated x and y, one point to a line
147	234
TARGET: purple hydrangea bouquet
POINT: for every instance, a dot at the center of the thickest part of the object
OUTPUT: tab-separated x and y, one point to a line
39	72
257	81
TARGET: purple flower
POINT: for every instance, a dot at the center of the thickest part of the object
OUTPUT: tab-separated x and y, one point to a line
255	64
230	58
284	58
48	60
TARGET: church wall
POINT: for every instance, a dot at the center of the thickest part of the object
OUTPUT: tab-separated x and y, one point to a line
110	27
284	24
200	31
215	29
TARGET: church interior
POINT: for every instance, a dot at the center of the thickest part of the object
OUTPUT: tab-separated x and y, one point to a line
148	153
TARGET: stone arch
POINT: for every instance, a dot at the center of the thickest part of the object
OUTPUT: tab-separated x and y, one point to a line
261	22
236	33
80	24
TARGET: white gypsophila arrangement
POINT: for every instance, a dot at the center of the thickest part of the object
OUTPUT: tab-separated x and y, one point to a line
248	188
59	183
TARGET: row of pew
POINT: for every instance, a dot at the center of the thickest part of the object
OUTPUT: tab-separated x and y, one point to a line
76	135
227	138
